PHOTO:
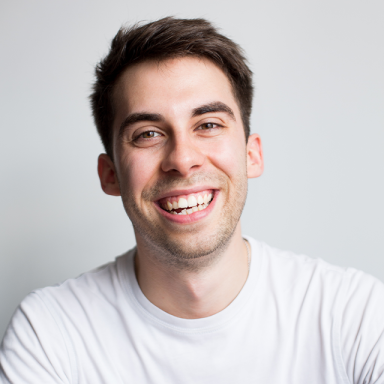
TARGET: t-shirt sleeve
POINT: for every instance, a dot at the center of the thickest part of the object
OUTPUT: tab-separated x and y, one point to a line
362	329
34	349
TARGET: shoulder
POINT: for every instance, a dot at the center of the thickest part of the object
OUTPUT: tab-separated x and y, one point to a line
357	285
285	268
347	302
341	292
362	328
100	284
35	347
363	300
82	300
95	283
40	338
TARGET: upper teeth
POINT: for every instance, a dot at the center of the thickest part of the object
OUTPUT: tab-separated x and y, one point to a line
182	203
192	203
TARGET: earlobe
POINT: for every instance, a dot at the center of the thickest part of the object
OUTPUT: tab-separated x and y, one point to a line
255	160
107	175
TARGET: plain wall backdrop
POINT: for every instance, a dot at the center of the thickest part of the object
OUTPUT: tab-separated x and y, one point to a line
319	76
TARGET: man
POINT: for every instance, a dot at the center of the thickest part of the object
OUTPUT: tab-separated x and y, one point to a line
194	302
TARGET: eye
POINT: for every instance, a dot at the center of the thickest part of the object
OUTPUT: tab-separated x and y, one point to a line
208	126
147	135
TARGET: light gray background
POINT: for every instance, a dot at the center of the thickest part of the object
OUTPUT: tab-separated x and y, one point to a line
319	75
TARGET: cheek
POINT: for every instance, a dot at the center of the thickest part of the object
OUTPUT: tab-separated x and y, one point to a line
137	171
229	156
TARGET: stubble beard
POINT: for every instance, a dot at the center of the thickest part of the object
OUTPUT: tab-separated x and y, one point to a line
200	248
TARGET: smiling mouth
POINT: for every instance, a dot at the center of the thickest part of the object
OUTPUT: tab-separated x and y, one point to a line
187	204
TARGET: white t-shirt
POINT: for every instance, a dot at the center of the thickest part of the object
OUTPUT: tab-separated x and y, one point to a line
297	320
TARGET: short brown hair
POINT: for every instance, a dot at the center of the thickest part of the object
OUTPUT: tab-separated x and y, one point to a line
160	40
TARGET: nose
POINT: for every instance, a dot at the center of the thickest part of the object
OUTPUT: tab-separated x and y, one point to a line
183	157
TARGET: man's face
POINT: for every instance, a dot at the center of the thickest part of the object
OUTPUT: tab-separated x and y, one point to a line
180	155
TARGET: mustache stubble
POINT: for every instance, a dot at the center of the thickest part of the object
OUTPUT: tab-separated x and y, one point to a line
164	185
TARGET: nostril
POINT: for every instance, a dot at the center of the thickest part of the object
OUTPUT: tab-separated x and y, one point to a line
182	157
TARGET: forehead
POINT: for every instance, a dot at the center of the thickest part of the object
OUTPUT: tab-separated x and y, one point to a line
173	87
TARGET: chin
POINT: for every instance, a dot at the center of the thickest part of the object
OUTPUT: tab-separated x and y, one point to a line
187	256
188	251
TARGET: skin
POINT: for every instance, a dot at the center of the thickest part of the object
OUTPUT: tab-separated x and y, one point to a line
189	266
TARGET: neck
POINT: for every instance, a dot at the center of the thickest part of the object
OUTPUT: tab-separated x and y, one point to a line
195	293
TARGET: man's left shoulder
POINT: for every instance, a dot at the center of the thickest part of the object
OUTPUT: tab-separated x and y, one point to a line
287	270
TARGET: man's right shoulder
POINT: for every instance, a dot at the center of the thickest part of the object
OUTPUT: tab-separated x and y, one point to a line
102	285
46	330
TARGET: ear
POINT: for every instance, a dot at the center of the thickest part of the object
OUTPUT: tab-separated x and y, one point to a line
107	175
255	160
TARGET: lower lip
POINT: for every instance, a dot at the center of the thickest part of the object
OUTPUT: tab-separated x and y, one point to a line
191	218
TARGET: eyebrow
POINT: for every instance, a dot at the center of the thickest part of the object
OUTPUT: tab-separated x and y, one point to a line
216	106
